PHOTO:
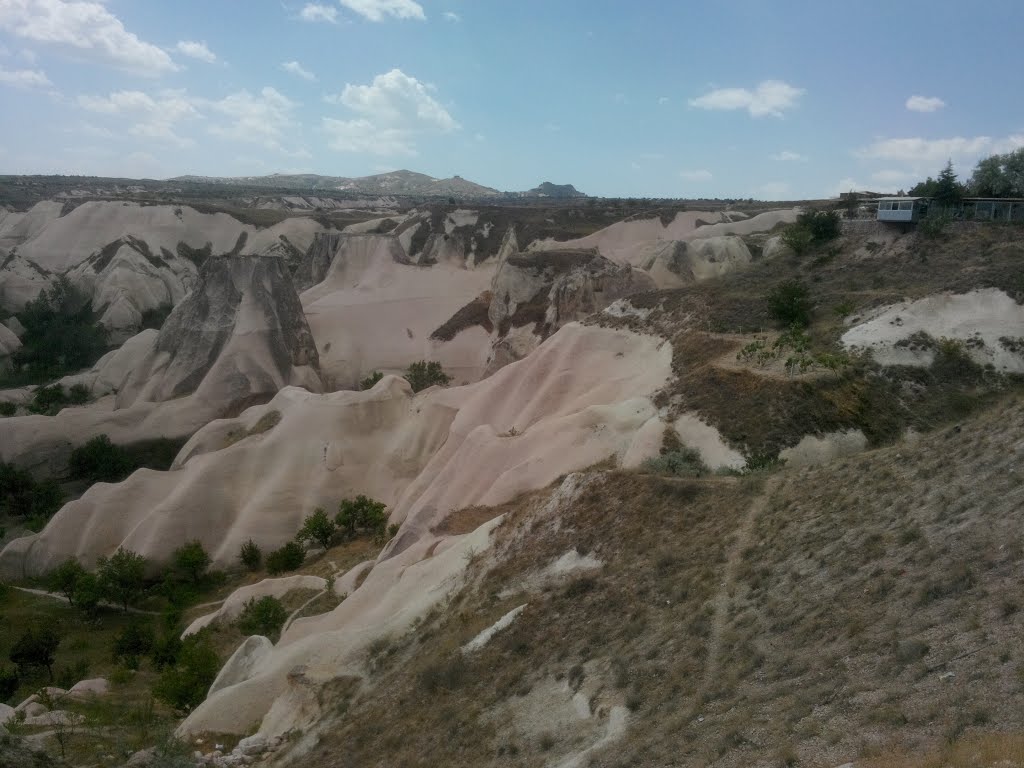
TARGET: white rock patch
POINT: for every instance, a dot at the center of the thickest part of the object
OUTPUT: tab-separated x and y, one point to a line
484	637
980	317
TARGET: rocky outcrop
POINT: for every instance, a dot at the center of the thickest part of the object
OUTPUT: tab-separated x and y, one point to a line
238	338
541	291
126	280
681	262
314	267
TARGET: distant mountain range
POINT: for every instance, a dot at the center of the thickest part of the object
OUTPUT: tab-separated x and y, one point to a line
396	183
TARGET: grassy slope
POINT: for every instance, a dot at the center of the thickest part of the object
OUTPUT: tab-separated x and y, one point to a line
808	617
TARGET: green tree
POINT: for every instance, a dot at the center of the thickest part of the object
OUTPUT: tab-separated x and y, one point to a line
790	304
87	594
9	682
120	576
99	460
1000	175
35	648
250	555
423	374
190	561
948	191
317	529
133	641
371	380
60	332
184	685
288	558
65	577
362	515
264	617
22	496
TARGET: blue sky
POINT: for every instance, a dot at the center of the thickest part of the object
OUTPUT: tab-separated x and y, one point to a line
776	100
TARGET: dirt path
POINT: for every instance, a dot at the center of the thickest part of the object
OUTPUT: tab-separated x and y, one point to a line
722	600
64	599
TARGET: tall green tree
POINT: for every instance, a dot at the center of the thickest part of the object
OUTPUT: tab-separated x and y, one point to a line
121	576
948	191
1000	175
60	332
318	528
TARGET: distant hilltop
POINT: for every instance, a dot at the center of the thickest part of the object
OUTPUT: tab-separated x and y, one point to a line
404	182
547	189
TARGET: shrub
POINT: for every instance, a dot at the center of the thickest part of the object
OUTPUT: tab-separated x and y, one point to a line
250	555
184	685
133	641
934	225
65	577
190	561
8	409
9	682
789	303
264	617
317	529
22	496
683	462
60	333
287	558
120	576
362	515
797	238
99	460
371	380
422	374
87	594
823	225
48	400
166	650
35	648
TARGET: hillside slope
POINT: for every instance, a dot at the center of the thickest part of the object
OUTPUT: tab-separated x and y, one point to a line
813	617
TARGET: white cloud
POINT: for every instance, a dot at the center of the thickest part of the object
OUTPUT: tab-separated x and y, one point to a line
893	178
294	68
24	78
391	112
452	16
87	27
316	12
663	99
377	10
788	156
925	103
394	98
155	118
927	154
261	119
697	175
196	50
361	135
770	97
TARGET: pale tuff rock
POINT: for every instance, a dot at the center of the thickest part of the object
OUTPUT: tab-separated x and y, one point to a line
240	334
234	603
812	450
485	636
242	662
988	323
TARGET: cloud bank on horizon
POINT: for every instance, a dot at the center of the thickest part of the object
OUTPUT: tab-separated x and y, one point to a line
693	101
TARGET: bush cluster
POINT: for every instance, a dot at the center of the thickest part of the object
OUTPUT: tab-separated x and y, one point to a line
812	228
422	374
61	334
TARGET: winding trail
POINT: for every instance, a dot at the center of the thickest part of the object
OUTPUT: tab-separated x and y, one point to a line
64	599
722	600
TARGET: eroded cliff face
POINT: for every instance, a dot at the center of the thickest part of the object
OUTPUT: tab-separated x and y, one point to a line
534	294
241	334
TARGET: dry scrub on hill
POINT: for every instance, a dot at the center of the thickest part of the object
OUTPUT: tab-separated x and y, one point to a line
857	610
